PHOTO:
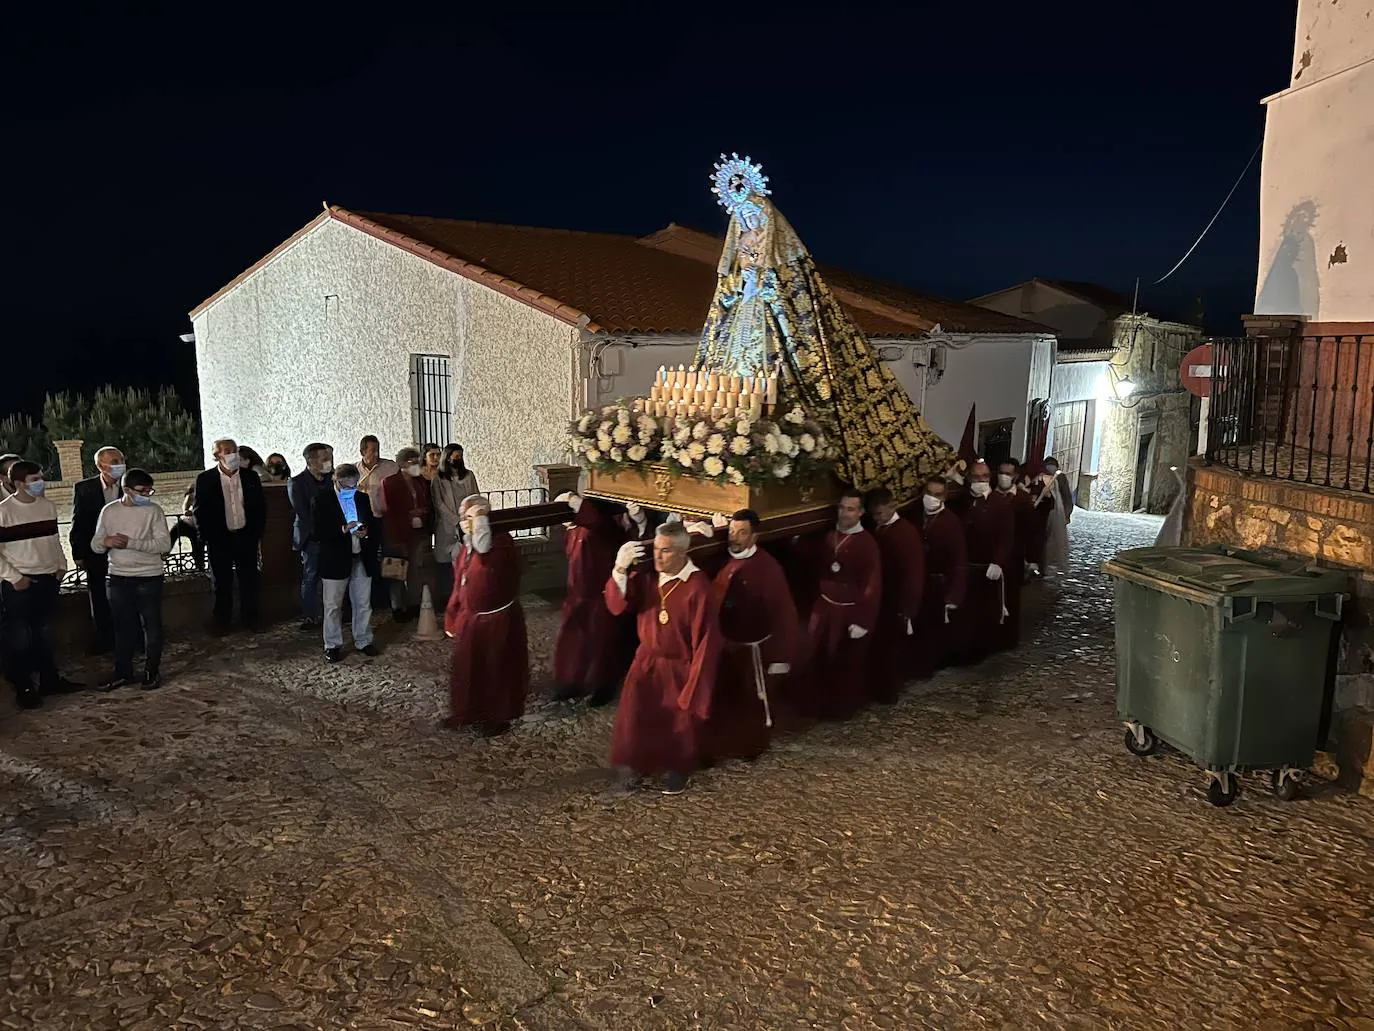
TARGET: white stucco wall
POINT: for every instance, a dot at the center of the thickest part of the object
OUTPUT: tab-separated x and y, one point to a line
1316	205
316	345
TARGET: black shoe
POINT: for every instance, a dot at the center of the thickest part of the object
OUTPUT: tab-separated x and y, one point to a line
567	693
29	698
601	696
310	625
672	783
370	650
493	729
152	681
115	683
333	654
62	686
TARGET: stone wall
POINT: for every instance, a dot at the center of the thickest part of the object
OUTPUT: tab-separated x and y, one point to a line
1334	528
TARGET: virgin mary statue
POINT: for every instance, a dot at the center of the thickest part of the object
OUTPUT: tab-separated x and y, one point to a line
773	314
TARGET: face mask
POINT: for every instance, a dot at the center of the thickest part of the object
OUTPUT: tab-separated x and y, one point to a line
36	488
348	493
230	462
276	468
412	470
141	500
1004	481
117	471
932	504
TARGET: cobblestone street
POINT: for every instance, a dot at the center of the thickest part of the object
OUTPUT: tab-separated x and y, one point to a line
270	842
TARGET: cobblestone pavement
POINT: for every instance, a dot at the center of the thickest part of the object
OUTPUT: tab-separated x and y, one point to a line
270	842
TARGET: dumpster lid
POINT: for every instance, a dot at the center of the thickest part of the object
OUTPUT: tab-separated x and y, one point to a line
1227	571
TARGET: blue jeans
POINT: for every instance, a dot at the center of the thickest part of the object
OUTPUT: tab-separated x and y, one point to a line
358	587
136	604
310	581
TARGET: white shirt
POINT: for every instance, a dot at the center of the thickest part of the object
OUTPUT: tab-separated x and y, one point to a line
895	516
40	556
856	528
146	528
111	490
622	580
232	486
746	553
370	482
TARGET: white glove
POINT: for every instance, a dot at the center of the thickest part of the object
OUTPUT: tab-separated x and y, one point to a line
697	526
994	571
630	552
673	517
635	512
571	498
855	632
948	610
778	669
910	630
416	522
1033	569
719	521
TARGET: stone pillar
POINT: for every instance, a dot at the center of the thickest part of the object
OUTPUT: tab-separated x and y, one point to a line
69	459
558	479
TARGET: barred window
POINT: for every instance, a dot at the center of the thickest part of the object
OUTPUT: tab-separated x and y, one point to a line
431	399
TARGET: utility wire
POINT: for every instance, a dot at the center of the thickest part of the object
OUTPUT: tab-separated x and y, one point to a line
1214	217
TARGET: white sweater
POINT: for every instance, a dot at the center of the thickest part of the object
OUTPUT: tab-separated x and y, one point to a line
146	528
39	556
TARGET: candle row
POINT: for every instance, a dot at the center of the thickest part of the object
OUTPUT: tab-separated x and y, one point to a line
750	406
713	390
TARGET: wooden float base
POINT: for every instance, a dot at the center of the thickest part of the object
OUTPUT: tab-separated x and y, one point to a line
668	492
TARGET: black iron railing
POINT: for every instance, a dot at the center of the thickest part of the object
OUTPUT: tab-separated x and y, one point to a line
519	498
1294	408
181	563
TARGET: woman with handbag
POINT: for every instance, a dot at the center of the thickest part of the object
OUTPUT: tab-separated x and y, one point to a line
407	533
454	483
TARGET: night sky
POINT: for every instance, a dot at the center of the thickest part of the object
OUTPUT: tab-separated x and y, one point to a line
957	148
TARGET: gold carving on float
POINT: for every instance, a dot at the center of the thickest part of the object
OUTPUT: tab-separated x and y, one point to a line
663	485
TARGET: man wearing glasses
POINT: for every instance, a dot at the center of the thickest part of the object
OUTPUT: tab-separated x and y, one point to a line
133	533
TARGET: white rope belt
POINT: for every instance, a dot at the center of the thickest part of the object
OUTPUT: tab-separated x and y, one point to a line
760	674
492	612
841	604
1001	591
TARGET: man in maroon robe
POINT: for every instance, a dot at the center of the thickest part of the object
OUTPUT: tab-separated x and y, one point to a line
990	533
759	628
589	654
489	672
904	574
1014	575
668	691
946	565
848	569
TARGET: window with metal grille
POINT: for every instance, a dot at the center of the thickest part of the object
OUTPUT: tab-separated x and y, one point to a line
431	399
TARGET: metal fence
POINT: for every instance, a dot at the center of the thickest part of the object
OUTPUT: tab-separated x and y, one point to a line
1294	408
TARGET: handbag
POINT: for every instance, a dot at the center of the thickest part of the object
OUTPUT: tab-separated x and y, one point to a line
394	568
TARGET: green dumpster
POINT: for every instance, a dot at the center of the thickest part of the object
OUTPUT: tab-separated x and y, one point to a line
1223	654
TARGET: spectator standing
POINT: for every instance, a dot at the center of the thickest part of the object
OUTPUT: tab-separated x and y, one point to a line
251	460
454	482
89	498
31	570
349	540
6	461
186	527
231	515
276	470
314	479
132	534
373	471
408	533
430	460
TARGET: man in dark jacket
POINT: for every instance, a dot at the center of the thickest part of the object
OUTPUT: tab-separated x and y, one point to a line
301	490
348	538
88	498
231	515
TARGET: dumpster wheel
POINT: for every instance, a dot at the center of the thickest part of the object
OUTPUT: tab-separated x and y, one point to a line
1286	783
1140	739
1222	788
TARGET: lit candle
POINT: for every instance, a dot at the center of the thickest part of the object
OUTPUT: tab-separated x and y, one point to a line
662	373
680	377
773	389
713	381
691	379
734	383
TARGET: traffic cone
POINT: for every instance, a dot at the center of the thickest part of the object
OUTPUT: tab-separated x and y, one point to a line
428	628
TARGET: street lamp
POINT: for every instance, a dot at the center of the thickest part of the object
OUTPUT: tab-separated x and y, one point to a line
1124	387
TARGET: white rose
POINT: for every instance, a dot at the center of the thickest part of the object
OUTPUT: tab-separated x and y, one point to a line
743	427
638	453
592	454
771	444
783	470
584	423
734	476
700	430
713	466
740	445
623	434
617	455
697	450
806	442
685	459
715	444
604	442
683	434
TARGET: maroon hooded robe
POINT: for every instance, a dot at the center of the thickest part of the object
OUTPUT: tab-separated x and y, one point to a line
946	576
668	690
1023	510
904	572
759	627
489	673
589	653
848	569
990	534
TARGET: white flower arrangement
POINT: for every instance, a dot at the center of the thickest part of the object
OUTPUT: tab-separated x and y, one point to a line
622	434
713	466
715	443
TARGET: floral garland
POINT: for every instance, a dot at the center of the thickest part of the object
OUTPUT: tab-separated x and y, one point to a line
726	449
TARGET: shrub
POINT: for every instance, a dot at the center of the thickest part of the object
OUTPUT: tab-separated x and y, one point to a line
20	435
153	430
